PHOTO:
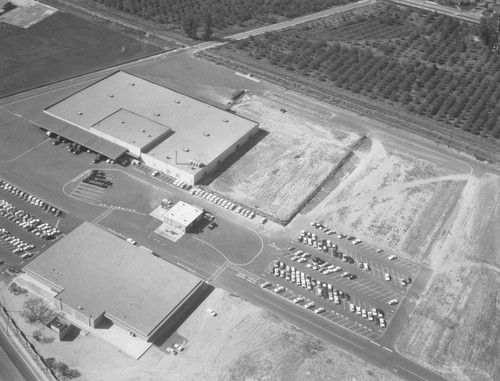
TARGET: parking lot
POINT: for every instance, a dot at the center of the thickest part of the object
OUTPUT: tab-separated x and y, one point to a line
360	286
28	224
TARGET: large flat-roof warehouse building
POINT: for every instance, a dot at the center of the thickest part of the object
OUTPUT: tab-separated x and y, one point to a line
94	275
170	132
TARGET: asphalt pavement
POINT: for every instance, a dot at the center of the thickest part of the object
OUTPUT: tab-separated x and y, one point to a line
235	255
13	366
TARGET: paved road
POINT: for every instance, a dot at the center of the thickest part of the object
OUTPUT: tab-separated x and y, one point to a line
370	351
432	6
236	240
12	364
187	255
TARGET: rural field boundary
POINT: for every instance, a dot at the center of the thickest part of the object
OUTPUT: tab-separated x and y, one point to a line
388	114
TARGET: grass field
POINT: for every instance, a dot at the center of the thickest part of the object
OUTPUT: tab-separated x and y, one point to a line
297	154
59	47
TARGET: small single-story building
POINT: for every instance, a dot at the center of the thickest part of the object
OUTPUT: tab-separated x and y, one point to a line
95	276
182	216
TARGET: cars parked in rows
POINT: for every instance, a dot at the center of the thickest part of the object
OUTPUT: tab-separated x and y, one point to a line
27	221
6	186
322	289
181	184
18	246
225	203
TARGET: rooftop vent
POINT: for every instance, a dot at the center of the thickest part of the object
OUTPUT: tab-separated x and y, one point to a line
149	135
79	113
131	83
168	157
225	120
177	102
206	134
110	95
123	122
143	130
185	149
157	114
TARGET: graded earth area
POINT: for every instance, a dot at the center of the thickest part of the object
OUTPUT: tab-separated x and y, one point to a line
242	342
443	218
455	328
391	199
58	47
296	154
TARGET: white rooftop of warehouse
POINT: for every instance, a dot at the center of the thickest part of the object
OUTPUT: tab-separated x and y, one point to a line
201	132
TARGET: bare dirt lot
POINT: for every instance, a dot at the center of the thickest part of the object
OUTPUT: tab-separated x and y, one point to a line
455	327
391	199
242	342
297	154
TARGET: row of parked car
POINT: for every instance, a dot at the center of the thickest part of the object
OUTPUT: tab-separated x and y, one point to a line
30	198
329	231
27	221
17	244
323	289
321	265
376	315
178	183
302	279
298	300
225	203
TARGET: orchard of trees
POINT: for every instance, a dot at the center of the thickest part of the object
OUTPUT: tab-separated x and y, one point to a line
432	65
191	14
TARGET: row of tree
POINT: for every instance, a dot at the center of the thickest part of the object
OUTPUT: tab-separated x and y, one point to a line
190	14
465	93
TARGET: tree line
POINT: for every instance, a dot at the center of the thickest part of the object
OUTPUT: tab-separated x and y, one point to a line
218	15
437	70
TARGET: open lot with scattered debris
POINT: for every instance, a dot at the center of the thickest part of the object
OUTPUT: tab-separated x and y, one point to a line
298	152
455	327
392	200
241	343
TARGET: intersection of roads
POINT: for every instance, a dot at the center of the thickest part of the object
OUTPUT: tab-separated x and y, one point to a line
239	253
